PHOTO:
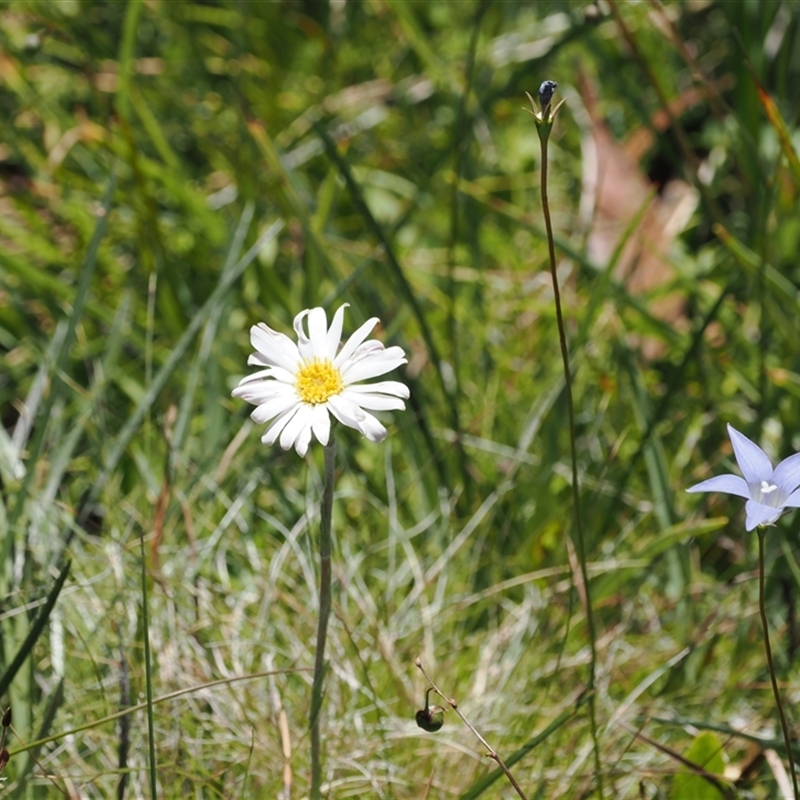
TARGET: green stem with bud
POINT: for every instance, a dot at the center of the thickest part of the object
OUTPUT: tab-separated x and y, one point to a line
544	124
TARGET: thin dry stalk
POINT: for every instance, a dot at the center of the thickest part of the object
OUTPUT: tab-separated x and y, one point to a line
490	751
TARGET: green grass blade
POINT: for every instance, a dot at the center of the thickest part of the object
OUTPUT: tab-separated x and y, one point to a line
207	340
53	705
562	719
174	359
127	52
84	284
35	631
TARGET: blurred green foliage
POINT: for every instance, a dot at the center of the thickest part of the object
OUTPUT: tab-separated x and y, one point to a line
390	139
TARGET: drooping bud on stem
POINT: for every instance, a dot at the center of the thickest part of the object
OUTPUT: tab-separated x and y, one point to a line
430	718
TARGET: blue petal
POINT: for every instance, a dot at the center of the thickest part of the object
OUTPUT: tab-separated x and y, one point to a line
752	460
758	514
787	474
793	500
727	484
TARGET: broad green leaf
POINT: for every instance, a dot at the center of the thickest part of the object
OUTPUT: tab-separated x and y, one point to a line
705	752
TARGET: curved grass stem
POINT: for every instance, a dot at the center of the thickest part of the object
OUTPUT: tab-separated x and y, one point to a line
324	616
768	649
543	127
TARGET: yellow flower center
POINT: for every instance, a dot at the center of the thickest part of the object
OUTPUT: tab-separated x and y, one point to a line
317	380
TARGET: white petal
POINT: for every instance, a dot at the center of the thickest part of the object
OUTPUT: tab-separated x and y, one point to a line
366	349
246	390
787	474
355	417
373	365
318	332
273	407
303	342
274	348
321	424
354	341
346	412
752	460
758	514
383	387
257	376
727	484
395	352
335	332
377	402
303	441
261	374
793	500
257	358
272	371
295	426
372	429
260	392
278	425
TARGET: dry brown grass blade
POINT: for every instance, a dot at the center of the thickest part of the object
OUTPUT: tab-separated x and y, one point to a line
615	192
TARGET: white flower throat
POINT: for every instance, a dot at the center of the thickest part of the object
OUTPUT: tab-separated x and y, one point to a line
769	494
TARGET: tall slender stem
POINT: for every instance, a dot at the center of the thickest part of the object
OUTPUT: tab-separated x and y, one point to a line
148	677
324	616
544	132
762	608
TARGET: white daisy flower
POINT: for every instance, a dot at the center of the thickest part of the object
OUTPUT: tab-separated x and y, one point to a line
305	382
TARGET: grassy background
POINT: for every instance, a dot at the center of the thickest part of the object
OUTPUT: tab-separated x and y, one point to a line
173	172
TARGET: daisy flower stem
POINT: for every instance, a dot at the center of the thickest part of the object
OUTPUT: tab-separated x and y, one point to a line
762	608
544	133
148	677
324	616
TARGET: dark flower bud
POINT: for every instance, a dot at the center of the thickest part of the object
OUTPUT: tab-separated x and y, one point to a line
546	91
7	717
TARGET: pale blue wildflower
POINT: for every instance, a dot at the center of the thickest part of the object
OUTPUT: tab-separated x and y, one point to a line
769	492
